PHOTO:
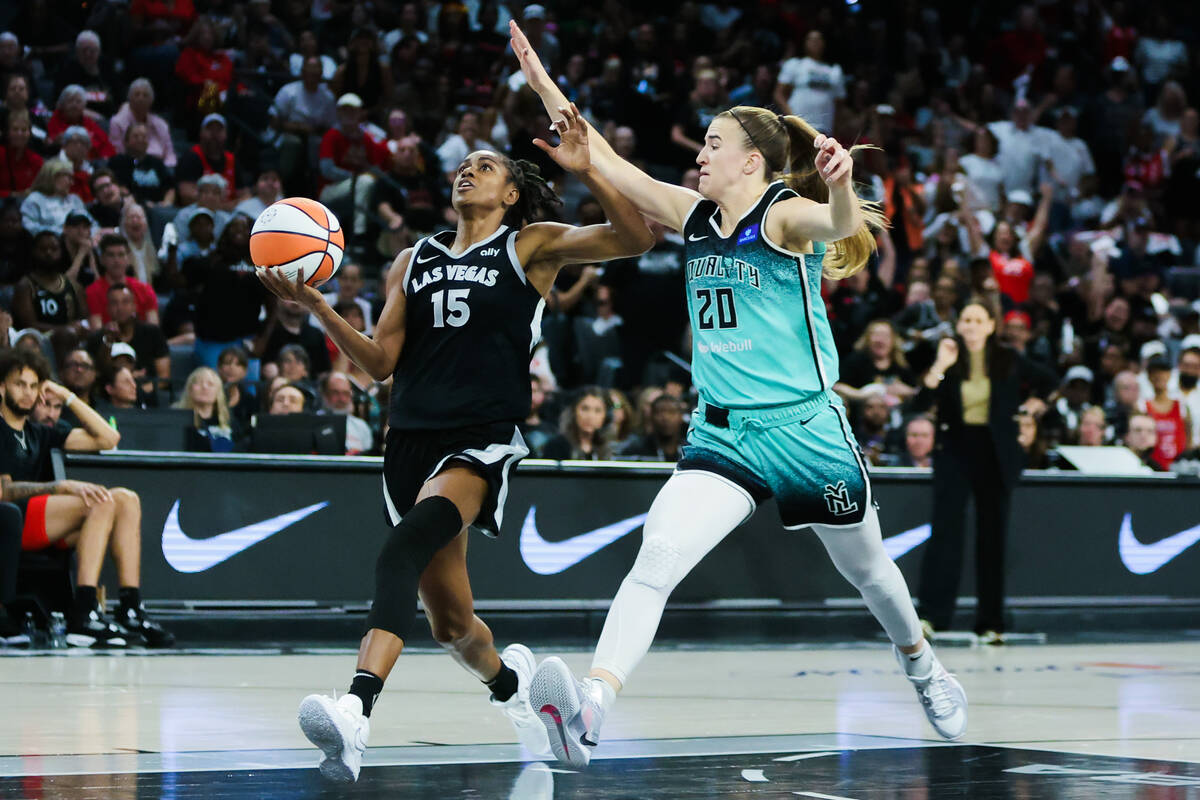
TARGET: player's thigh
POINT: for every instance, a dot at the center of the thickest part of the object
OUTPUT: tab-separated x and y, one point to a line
461	485
65	515
815	469
691	514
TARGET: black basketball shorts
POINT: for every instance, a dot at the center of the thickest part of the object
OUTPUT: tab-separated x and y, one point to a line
412	457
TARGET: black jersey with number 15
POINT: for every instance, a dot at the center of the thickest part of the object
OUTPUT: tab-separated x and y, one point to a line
472	320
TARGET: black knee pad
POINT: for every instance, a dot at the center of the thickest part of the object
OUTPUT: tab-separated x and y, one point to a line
428	527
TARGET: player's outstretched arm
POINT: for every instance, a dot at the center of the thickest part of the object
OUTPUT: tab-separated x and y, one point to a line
377	356
664	202
544	247
798	221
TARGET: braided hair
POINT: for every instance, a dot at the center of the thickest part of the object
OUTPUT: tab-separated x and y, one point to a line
536	202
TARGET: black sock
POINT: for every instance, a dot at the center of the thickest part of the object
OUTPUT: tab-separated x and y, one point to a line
85	599
504	685
130	597
366	686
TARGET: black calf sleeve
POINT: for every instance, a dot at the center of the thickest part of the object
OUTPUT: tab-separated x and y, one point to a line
428	527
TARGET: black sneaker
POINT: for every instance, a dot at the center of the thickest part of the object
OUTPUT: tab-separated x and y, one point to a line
140	630
94	630
11	634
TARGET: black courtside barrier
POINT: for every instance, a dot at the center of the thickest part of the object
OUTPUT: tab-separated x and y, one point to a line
308	528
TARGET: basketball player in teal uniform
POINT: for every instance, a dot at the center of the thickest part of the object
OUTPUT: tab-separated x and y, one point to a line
462	314
773	192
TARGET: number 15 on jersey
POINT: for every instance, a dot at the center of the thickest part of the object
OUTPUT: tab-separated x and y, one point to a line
450	308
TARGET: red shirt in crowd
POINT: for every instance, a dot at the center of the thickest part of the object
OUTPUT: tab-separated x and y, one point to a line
1119	42
335	145
97	297
81	184
1147	168
1017	50
1014	274
17	172
1172	433
229	173
101	146
179	10
197	68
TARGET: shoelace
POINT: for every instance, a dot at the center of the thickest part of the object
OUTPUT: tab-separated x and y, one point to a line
940	694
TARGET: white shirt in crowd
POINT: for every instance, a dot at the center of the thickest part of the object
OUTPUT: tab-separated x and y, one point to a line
296	63
985	177
317	109
815	88
1020	153
1163	128
358	435
1158	57
1072	161
455	149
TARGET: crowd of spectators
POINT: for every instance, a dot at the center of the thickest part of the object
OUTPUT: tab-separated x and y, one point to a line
1044	157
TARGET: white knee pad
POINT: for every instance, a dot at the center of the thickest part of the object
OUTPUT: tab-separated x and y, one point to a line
655	564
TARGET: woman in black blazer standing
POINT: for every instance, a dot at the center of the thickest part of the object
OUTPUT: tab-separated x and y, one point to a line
978	385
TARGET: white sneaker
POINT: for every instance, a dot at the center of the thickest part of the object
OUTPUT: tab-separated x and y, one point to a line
571	711
340	730
530	731
941	695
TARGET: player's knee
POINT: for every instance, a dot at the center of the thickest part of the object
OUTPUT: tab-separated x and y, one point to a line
126	498
873	577
452	629
656	563
105	508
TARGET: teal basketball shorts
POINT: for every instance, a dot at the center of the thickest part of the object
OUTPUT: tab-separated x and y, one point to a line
803	455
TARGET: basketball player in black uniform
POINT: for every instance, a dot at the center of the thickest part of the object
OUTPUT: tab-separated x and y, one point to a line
461	316
48	299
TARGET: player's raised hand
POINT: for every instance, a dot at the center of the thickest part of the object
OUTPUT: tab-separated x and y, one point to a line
833	161
297	291
572	153
535	74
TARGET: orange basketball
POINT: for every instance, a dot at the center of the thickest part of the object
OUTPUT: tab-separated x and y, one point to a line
301	236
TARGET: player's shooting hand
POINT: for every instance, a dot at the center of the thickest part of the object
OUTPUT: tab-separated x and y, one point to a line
295	290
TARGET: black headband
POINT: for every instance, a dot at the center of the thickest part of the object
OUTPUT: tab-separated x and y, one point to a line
758	147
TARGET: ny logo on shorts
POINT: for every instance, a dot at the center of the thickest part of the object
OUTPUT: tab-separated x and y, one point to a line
838	499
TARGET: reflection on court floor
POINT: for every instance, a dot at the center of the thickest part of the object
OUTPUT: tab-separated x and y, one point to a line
1053	721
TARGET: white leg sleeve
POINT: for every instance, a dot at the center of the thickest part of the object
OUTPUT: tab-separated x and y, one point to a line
859	555
691	514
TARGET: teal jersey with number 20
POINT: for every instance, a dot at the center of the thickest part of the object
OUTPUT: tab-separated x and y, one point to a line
760	334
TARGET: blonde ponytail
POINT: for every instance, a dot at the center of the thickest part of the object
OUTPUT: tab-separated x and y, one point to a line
843	257
792	159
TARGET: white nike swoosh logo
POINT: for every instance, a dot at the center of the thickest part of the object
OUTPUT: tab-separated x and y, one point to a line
695	238
901	543
428	258
189	555
1142	559
551	558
